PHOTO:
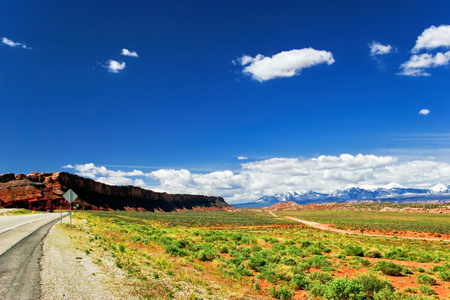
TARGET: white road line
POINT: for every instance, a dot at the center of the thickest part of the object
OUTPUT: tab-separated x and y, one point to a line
24	223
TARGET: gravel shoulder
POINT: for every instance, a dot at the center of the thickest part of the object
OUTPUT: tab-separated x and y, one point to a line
69	273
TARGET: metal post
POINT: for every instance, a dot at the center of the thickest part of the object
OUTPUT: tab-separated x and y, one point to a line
61	218
70	214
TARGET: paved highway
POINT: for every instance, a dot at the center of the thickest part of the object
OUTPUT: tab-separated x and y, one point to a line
20	252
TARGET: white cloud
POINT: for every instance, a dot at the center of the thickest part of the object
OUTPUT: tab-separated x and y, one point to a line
283	64
278	175
67	167
242	157
127	52
433	37
417	64
424	112
10	43
115	66
377	48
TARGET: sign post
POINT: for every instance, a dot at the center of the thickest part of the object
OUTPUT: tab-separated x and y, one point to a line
70	196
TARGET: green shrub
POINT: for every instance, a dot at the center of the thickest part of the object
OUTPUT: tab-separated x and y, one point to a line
425	279
373	253
389	268
343	289
207	254
321	277
223	249
397	253
300	282
288	261
354	251
319	262
174	250
121	248
444	275
372	284
284	293
426	290
257	262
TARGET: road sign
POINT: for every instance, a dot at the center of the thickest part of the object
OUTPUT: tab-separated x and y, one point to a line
70	196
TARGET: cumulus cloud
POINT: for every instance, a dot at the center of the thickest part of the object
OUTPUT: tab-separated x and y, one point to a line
377	48
242	157
433	37
115	66
430	39
10	43
127	52
417	64
283	64
278	175
67	167
424	112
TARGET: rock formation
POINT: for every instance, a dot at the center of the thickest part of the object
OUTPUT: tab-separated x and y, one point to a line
44	191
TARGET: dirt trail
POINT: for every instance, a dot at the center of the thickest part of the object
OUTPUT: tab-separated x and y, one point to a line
329	228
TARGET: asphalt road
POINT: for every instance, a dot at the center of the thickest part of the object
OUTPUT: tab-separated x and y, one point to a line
20	252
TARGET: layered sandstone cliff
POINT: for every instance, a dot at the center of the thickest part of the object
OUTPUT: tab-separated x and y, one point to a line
44	191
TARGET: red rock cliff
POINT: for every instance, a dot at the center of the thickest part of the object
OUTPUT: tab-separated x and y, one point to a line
43	191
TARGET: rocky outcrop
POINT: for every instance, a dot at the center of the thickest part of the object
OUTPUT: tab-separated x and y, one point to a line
44	191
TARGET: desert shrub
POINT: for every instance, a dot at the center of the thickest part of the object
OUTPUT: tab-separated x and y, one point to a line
223	249
397	253
426	290
314	250
278	247
283	292
343	289
372	253
354	251
240	269
255	248
174	250
306	244
207	254
389	268
360	261
257	262
274	273
425	257
420	269
294	251
444	275
321	277
320	262
425	279
300	281
288	261
269	273
372	284
121	248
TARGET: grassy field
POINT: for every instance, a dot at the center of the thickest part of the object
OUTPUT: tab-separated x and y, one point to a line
375	220
252	255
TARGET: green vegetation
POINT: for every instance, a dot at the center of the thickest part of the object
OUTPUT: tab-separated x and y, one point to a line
20	211
253	252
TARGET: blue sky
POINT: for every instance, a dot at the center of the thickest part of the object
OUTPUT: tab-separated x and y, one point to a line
207	82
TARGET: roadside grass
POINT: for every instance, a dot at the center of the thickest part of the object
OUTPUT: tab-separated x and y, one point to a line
240	255
20	211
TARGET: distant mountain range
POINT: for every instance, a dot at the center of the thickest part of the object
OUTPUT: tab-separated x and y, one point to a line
392	192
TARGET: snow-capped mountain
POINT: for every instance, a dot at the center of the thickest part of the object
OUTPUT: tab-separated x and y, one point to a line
439	188
392	192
